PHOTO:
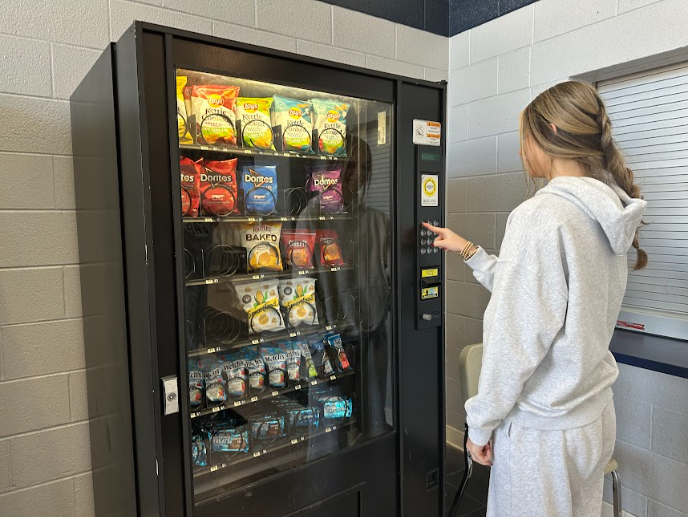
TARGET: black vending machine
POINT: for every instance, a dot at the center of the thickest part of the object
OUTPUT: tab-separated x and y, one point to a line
264	312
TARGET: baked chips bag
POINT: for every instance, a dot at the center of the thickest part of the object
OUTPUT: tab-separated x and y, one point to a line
261	241
213	106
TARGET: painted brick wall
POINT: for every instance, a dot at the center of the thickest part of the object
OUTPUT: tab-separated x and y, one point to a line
45	458
495	70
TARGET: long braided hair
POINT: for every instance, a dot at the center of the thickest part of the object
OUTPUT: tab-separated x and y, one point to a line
584	134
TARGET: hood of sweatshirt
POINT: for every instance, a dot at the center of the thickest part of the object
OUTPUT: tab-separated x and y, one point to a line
619	215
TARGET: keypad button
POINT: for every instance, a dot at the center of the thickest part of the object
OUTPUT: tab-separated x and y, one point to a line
423	242
435	223
424	232
436	250
423	251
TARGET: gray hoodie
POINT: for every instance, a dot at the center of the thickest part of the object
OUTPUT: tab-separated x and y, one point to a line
557	288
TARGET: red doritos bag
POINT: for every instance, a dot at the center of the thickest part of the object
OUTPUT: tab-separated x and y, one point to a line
219	188
191	190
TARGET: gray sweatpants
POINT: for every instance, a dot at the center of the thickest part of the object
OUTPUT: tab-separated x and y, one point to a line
550	473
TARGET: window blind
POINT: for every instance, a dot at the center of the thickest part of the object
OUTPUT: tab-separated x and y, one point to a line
649	113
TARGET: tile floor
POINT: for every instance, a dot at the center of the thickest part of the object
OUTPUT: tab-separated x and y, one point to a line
475	498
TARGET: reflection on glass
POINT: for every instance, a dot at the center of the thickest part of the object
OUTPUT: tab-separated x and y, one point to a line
285	198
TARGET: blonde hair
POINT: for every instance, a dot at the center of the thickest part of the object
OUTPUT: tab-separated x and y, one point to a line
583	133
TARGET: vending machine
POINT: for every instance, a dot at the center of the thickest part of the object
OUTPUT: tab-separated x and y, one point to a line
265	329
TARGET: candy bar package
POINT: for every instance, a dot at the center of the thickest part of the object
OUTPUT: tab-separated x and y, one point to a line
297	296
191	186
261	241
330	125
261	302
213	106
255	367
335	408
321	358
337	353
253	116
199	451
275	359
298	248
310	371
327	182
330	249
182	120
195	386
228	441
236	374
219	188
215	386
294	118
268	429
259	183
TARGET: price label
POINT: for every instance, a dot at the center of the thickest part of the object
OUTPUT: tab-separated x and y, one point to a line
247	151
217	409
211	281
297	387
195	415
275	393
322	218
314	383
293	334
255	342
238	403
333	377
284	218
214	468
294	442
256	454
254	399
328	430
329	327
212	350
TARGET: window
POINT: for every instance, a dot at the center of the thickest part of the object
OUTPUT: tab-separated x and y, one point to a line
649	113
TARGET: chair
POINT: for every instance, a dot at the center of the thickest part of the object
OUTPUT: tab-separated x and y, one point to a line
470	363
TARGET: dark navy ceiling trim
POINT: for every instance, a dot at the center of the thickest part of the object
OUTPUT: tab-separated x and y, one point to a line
443	17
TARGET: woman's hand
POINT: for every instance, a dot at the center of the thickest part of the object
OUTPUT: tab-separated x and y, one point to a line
447	239
481	454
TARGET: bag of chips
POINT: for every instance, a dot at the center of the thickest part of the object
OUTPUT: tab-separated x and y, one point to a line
298	248
328	185
306	359
199	451
336	408
236	374
302	420
294	118
297	296
213	106
330	124
195	386
215	386
330	250
261	302
191	186
339	358
260	189
182	121
261	241
253	116
293	361
255	367
275	359
268	429
219	188
321	358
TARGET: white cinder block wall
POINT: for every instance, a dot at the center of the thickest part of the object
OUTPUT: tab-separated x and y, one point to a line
495	69
46	49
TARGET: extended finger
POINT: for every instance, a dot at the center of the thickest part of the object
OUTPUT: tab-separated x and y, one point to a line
435	229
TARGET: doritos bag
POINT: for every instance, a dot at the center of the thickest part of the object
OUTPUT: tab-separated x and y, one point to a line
191	186
294	117
255	126
213	106
182	121
219	188
328	184
260	189
330	124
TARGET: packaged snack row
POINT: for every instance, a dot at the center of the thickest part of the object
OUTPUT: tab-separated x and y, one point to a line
220	117
210	188
251	371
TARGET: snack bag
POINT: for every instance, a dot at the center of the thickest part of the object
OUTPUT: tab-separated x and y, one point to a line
261	241
199	451
255	367
298	248
256	129
328	184
297	296
302	420
294	117
215	386
195	386
275	359
268	428
306	359
321	359
334	342
330	123
293	361
213	106
229	439
336	408
261	302
330	251
182	121
191	186
236	374
219	188
260	189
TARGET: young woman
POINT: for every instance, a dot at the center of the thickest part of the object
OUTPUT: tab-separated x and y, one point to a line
544	416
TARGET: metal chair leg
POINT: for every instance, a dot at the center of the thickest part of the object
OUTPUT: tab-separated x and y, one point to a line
616	493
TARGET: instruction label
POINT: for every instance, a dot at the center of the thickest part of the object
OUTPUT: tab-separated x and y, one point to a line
429	293
429	273
427	132
429	187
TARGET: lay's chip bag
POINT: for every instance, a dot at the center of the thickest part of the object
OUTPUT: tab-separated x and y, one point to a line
182	121
214	106
253	117
330	124
294	117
